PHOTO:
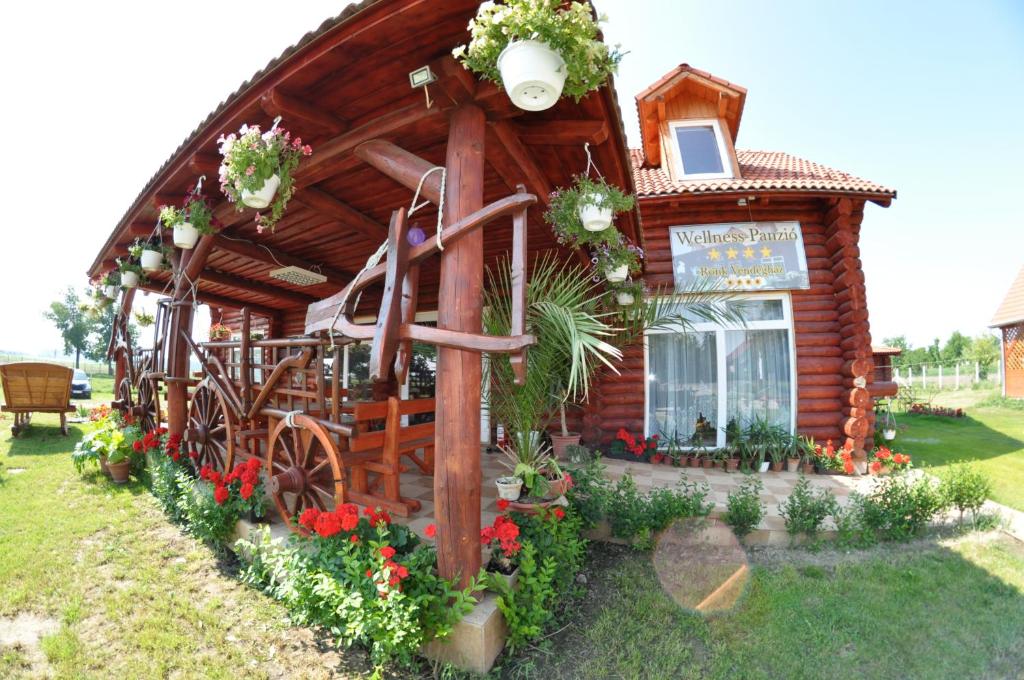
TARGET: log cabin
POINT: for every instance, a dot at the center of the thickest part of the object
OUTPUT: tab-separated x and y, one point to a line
789	227
1009	319
779	233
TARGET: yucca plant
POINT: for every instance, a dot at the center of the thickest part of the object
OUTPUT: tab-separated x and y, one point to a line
577	334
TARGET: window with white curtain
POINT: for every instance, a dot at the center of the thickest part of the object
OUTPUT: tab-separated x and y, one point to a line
719	373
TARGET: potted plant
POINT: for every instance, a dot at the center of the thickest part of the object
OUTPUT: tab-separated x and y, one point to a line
115	448
532	462
131	272
152	256
110	284
257	170
144	319
617	259
800	448
778	457
626	293
581	214
195	217
502	538
509	487
883	461
219	331
538	49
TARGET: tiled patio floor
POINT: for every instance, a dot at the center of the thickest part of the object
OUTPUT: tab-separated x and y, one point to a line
777	486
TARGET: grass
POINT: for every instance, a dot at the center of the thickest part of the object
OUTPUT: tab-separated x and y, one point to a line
993	436
133	596
945	610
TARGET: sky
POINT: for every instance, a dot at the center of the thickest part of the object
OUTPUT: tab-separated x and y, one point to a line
922	97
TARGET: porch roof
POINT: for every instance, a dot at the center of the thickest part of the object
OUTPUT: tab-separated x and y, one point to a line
346	83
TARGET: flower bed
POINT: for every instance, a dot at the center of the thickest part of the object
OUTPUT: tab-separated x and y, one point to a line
929	410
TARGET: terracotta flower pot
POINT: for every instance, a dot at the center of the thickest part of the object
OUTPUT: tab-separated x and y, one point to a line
808	468
119	471
560	443
732	464
884	470
708	464
794	464
694	461
558	487
104	468
777	466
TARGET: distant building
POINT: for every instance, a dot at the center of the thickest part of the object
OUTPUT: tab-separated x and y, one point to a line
1009	319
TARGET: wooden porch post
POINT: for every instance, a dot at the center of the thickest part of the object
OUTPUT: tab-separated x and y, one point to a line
192	263
120	360
457	475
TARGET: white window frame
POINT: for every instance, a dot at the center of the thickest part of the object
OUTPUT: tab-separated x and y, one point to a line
723	151
786	323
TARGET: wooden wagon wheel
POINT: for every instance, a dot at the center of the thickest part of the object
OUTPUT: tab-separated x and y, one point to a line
304	469
124	395
147	410
210	439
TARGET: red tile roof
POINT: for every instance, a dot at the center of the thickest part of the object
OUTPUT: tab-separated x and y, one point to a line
760	171
885	349
1011	311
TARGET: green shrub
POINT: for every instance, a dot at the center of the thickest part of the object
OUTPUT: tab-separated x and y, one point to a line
744	510
964	487
898	508
380	590
805	509
529	607
633	516
167	480
852	530
204	517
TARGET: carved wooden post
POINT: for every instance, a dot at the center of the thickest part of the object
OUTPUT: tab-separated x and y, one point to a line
121	325
460	303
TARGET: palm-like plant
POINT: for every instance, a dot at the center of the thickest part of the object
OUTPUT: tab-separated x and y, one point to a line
577	334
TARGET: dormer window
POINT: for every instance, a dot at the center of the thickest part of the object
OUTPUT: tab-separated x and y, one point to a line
700	150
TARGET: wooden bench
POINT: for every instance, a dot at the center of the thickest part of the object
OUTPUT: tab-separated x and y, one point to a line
379	452
36	388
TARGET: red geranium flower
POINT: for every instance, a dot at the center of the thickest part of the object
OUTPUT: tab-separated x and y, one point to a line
848	467
353	538
308	518
876	466
327	524
387	552
220	494
430	530
246	491
502	504
559	513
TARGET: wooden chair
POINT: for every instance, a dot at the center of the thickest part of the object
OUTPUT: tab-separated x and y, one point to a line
36	388
379	452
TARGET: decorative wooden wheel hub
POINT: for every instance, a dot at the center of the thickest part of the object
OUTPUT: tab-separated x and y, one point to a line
303	468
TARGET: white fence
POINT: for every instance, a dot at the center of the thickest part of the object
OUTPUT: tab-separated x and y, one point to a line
947	377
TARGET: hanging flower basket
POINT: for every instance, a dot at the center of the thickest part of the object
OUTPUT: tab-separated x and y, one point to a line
618	259
889	435
185	235
257	170
538	50
110	292
617	274
151	260
195	217
533	74
219	331
129	279
581	214
262	197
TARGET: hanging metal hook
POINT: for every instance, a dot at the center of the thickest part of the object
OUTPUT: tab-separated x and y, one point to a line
199	184
590	161
276	121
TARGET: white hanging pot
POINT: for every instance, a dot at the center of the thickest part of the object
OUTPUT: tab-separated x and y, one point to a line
110	292
129	279
533	74
262	198
617	274
509	488
624	298
889	435
595	217
151	260
185	235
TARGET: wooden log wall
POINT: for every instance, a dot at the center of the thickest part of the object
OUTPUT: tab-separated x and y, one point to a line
833	343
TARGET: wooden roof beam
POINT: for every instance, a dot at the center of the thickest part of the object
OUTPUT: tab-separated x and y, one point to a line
514	162
270	290
205	164
404	167
276	103
568	132
325	204
278	258
215	300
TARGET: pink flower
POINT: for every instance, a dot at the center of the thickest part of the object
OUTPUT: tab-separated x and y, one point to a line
250	170
307	150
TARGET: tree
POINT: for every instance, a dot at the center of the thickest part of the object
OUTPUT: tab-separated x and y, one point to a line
985	350
101	325
955	347
70	319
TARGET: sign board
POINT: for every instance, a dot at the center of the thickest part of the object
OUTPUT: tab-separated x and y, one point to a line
739	256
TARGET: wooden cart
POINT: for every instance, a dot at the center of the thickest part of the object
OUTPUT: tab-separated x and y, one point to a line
36	388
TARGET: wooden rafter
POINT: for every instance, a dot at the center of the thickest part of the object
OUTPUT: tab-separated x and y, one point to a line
277	103
278	258
216	300
402	166
325	204
261	287
559	132
514	162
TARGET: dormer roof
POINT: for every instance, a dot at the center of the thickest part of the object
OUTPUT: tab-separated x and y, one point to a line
686	81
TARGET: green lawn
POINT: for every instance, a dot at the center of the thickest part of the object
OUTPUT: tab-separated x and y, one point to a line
131	596
992	436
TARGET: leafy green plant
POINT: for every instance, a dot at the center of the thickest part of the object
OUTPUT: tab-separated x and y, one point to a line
805	509
167	482
852	530
964	487
898	508
144	318
87	451
528	608
205	518
571	31
532	462
563	214
744	510
364	579
195	210
617	251
131	265
251	158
